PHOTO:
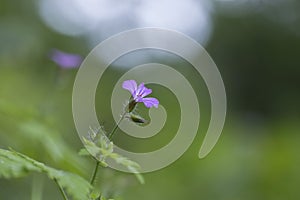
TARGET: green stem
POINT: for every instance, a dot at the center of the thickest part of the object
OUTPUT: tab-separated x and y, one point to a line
110	136
61	190
95	172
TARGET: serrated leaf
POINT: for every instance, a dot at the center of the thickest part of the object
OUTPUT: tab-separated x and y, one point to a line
96	151
105	150
14	164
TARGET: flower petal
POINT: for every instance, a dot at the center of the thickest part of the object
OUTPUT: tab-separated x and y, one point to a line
131	86
142	91
139	89
145	92
65	60
150	102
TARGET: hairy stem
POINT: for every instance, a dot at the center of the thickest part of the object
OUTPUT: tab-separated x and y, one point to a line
110	136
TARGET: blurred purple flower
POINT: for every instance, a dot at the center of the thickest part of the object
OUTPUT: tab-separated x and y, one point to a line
139	92
65	60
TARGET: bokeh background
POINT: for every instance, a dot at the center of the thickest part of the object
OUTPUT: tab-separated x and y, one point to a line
256	46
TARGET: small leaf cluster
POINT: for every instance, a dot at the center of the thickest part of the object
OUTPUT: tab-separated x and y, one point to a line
98	145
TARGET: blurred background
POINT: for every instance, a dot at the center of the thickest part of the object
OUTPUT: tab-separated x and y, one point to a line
255	44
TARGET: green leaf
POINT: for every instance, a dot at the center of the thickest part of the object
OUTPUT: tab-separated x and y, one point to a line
14	164
139	177
105	150
52	143
99	153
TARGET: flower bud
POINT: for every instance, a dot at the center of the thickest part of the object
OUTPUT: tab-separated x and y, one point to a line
137	119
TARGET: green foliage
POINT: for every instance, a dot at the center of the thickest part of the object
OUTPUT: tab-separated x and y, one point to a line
25	122
48	139
102	148
14	165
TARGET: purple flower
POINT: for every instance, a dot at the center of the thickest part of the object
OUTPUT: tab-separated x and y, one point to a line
139	92
65	60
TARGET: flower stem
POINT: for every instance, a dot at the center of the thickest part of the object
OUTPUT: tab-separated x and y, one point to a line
110	136
61	190
95	172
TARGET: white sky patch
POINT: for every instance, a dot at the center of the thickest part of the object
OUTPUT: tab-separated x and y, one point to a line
76	17
97	20
188	16
102	9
